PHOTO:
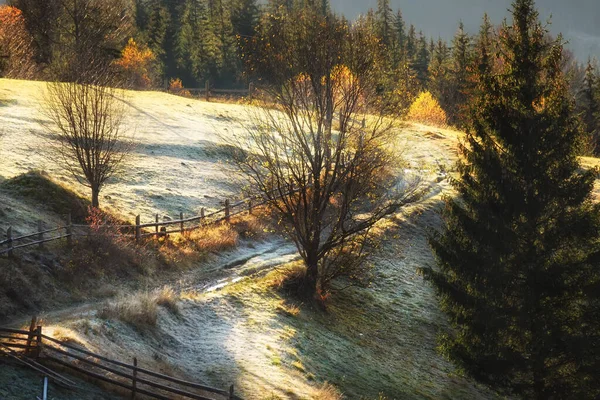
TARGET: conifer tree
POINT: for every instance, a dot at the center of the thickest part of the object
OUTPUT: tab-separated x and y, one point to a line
421	62
400	31
411	43
385	22
518	252
244	17
439	73
589	104
461	55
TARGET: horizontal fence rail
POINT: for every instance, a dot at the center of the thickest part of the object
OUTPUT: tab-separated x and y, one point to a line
138	230
39	347
207	91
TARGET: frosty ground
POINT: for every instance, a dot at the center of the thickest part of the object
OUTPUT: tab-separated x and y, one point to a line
236	327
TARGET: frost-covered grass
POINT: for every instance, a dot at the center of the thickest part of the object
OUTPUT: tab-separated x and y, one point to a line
179	163
373	342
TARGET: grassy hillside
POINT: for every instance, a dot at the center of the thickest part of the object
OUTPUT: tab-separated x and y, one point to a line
178	164
225	320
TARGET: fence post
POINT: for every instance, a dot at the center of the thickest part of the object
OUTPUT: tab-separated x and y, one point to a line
45	390
181	219
138	230
250	206
134	381
207	90
30	334
250	89
9	241
156	225
231	396
201	216
227	210
40	233
69	230
38	349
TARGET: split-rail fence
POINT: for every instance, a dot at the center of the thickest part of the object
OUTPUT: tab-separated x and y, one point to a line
138	230
38	351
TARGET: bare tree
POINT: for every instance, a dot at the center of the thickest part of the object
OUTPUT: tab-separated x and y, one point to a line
322	155
91	138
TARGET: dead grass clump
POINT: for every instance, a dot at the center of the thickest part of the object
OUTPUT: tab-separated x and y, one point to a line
327	392
167	298
215	238
250	226
290	310
139	310
291	278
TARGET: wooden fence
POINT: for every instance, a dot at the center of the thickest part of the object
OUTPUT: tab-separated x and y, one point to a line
32	348
138	230
207	91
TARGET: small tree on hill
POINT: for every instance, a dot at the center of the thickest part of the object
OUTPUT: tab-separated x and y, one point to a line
138	65
518	253
91	140
329	177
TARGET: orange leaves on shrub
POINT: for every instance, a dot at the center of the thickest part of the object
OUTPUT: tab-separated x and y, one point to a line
16	44
427	110
137	62
176	86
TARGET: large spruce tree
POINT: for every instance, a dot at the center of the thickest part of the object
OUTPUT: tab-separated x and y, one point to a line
518	252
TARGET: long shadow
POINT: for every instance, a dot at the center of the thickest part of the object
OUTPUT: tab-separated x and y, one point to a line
201	150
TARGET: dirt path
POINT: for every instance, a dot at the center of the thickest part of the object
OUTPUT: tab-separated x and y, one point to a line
215	273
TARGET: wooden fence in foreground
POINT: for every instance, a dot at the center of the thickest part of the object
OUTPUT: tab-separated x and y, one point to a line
33	348
137	230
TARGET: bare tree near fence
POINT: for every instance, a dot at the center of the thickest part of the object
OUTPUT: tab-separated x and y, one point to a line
91	139
330	184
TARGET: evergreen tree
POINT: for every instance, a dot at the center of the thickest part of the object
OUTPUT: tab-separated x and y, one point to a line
421	62
439	73
589	106
244	17
518	253
400	30
156	30
411	43
385	23
461	55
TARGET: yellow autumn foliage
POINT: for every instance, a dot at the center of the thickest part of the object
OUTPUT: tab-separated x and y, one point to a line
426	109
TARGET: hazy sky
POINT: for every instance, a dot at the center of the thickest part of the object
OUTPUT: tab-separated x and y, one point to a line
578	20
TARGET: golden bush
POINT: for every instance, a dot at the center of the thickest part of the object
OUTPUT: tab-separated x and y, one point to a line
426	109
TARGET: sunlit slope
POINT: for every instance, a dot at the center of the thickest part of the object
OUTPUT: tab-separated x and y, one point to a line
178	165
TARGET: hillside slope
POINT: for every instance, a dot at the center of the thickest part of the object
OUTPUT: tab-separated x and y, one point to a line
177	164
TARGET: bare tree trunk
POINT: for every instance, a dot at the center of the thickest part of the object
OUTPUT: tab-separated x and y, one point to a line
95	197
310	284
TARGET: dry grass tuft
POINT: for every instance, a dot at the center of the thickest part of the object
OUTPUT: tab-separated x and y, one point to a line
291	310
167	298
215	238
327	392
191	246
139	310
290	277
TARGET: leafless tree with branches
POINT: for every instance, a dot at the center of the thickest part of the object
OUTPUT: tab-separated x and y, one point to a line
89	131
322	155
